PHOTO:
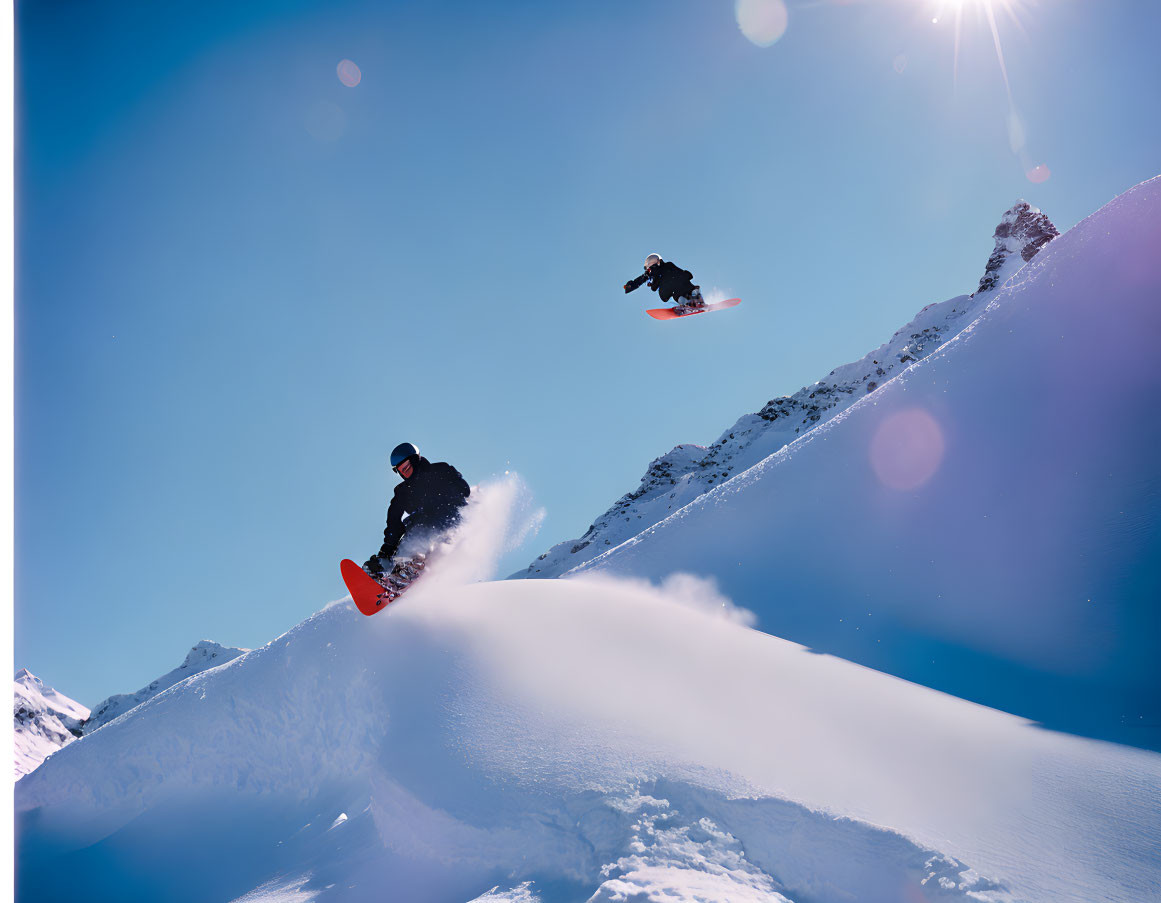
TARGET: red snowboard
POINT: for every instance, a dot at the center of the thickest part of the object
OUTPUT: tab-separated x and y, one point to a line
370	596
673	313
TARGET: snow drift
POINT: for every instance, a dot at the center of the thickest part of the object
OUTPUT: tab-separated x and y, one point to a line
988	522
567	740
585	736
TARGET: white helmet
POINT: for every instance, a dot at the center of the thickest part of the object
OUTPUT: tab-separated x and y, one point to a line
652	259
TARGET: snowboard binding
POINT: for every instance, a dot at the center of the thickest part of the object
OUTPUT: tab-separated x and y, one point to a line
690	304
401	576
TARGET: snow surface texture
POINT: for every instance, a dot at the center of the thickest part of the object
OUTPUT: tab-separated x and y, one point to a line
205	654
987	522
44	721
590	739
676	478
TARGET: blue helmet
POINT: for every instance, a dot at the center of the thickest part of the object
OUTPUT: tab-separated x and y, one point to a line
402	452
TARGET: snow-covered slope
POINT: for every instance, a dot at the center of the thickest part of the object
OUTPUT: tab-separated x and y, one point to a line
44	721
989	521
205	654
678	477
577	740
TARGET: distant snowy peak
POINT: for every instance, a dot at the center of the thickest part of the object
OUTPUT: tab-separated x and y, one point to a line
677	478
44	721
202	657
1022	232
207	654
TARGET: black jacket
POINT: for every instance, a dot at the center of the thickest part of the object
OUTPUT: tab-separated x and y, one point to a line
667	279
431	497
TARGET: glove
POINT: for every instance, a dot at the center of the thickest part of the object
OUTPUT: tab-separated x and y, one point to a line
628	287
373	567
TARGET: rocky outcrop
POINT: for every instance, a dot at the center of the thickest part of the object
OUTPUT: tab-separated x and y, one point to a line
1022	232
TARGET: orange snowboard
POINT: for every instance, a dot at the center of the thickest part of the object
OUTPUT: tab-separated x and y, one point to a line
673	313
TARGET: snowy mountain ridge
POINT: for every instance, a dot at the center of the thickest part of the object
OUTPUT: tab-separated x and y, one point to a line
44	721
687	471
206	654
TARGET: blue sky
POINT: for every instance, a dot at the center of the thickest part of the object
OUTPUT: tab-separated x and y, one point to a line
240	282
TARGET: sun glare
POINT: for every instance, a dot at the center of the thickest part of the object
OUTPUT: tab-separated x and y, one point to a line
981	13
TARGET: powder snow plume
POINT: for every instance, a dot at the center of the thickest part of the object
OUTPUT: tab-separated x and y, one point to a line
687	590
715	295
499	517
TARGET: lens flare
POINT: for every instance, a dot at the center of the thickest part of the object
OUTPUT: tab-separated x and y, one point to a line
1016	137
986	15
349	74
762	21
1039	174
907	449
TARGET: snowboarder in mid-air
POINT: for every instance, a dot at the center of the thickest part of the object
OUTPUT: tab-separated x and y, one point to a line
669	281
426	504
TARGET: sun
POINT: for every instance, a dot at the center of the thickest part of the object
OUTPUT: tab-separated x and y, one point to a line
984	11
987	11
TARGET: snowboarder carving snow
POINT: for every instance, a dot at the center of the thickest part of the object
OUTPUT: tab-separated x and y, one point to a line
669	281
425	504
